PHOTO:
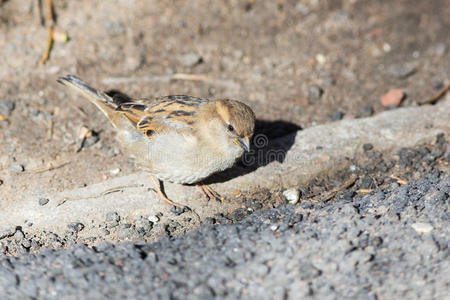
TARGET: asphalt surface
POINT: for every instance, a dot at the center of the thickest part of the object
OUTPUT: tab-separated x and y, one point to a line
382	238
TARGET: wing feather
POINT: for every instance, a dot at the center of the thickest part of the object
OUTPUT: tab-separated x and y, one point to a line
175	112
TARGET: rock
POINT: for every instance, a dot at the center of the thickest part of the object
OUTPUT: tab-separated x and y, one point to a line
43	201
402	70
16	167
337	116
393	98
315	92
437	83
292	195
367	147
154	219
112	219
75	226
6	107
190	59
19	235
422	227
365	111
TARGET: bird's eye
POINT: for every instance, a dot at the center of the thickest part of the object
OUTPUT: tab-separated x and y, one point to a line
230	128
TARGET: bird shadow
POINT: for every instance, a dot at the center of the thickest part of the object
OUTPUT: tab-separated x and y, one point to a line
270	142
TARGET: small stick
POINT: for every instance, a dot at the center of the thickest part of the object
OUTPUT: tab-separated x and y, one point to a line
108	191
46	53
50	129
51	168
333	192
437	96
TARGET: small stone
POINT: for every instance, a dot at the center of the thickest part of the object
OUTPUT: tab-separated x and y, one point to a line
402	70
292	195
6	107
26	243
315	92
114	172
104	231
112	219
337	116
19	235
176	210
437	83
125	226
365	111
422	227
43	201
367	147
190	59
353	168
75	226
16	167
393	98
238	214
145	224
154	219
321	59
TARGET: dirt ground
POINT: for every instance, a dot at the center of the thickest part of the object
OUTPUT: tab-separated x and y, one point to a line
302	62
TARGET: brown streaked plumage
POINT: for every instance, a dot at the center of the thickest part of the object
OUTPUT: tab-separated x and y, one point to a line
177	138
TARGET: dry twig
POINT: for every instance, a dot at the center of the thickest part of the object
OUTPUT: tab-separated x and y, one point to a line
330	194
437	96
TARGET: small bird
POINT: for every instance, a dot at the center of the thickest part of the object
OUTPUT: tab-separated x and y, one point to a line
181	139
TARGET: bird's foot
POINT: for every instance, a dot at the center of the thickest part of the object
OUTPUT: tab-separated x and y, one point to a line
209	192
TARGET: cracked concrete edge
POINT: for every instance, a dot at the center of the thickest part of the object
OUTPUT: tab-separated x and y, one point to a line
317	150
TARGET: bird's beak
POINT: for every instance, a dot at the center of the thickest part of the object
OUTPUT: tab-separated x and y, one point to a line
244	143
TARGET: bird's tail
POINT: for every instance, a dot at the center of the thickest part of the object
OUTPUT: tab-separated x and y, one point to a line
104	102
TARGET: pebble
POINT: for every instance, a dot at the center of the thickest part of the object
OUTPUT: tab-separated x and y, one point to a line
26	243
19	235
178	210
315	92
190	59
292	195
6	107
367	147
112	219
437	83
75	226
422	227
154	219
114	172
393	98
365	111
337	116
43	201
16	167
402	70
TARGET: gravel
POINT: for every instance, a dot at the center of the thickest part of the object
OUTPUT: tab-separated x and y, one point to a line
315	92
6	107
386	244
383	237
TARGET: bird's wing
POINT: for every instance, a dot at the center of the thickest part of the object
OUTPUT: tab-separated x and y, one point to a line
163	114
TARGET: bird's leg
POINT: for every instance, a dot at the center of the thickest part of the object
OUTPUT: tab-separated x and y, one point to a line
158	191
209	192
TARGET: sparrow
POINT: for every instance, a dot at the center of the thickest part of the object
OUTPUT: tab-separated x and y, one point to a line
178	138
